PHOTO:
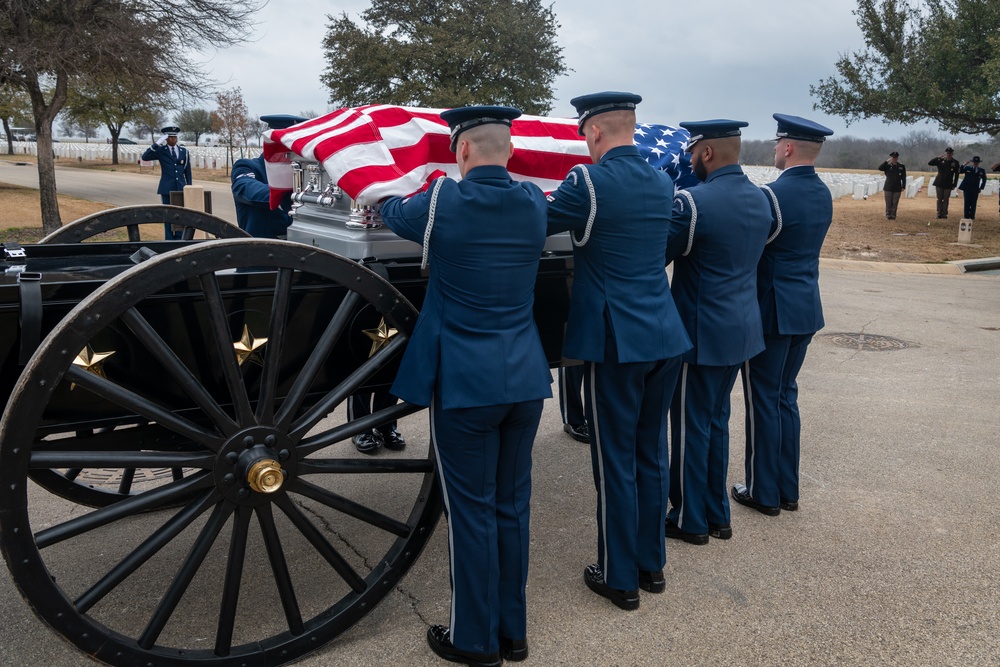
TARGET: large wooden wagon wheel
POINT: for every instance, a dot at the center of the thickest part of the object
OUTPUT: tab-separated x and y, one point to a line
95	487
131	217
286	536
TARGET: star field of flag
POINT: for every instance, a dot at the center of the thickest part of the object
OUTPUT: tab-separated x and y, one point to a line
663	147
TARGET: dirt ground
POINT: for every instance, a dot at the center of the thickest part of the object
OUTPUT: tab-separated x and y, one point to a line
859	230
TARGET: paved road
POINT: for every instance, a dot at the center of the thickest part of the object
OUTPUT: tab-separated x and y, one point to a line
892	558
117	189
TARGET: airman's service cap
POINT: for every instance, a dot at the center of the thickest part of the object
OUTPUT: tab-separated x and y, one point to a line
801	129
280	121
464	118
717	128
588	106
171	130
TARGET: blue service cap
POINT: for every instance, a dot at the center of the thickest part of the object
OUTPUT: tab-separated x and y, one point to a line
464	118
171	130
590	105
796	127
280	121
716	128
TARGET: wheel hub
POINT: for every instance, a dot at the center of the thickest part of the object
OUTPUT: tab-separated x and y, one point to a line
265	476
255	464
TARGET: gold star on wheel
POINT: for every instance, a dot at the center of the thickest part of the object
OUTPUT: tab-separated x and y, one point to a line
92	362
248	348
379	336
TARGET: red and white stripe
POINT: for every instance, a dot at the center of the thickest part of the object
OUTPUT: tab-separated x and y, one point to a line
377	151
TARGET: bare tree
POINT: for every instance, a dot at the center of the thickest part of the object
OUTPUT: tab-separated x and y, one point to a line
233	119
113	102
14	111
47	47
194	123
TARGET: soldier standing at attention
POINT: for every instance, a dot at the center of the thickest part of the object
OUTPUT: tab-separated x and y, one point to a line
895	183
625	328
483	237
175	170
972	184
948	169
790	312
717	235
252	194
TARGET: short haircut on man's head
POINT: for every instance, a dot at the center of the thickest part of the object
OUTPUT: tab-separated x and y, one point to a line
727	149
491	140
808	150
618	122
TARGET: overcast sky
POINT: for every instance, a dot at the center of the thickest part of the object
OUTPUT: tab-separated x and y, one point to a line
737	59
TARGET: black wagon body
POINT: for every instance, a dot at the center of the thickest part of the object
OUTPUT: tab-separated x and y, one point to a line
176	412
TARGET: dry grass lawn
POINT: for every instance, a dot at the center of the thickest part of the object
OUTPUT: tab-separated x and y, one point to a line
859	231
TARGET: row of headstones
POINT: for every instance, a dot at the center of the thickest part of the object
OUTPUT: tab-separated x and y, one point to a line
201	156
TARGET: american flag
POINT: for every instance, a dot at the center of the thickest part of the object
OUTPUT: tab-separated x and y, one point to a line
377	151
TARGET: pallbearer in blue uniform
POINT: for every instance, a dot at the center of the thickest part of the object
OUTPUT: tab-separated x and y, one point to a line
623	325
790	312
252	194
175	169
476	359
717	236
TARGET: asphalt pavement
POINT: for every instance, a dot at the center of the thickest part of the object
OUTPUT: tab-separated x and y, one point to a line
891	558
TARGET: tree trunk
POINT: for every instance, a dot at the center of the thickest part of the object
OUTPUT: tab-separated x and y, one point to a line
10	137
44	114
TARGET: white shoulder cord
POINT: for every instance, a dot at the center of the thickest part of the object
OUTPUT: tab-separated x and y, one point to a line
777	212
430	221
694	219
593	208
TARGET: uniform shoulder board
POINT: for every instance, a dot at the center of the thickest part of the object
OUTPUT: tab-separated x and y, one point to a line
246	174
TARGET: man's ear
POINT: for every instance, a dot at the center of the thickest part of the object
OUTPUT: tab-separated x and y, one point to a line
510	152
707	152
463	148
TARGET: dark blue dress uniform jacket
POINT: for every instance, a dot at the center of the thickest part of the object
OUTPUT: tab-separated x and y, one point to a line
615	279
788	272
474	324
174	173
713	285
253	201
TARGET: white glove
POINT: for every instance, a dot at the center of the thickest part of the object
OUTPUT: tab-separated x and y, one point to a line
162	140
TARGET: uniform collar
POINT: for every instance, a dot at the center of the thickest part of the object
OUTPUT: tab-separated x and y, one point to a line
619	151
800	170
488	171
729	169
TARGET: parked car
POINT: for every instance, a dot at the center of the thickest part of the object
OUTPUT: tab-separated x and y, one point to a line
123	140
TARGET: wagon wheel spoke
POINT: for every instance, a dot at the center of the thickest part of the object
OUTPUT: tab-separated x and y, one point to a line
231	588
312	444
172	596
349	507
320	352
125	486
117	459
279	567
223	344
276	339
321	544
177	370
326	405
133	233
142	406
149	547
364	466
127	507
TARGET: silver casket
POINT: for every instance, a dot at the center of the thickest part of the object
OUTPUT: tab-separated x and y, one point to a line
325	217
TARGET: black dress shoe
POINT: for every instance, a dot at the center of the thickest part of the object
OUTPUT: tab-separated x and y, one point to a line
720	531
393	440
741	494
673	532
514	650
439	639
652	582
790	506
367	443
594	578
578	432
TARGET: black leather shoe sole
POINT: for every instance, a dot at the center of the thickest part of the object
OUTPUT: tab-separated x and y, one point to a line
790	507
742	495
672	532
594	578
720	532
652	582
439	639
514	650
